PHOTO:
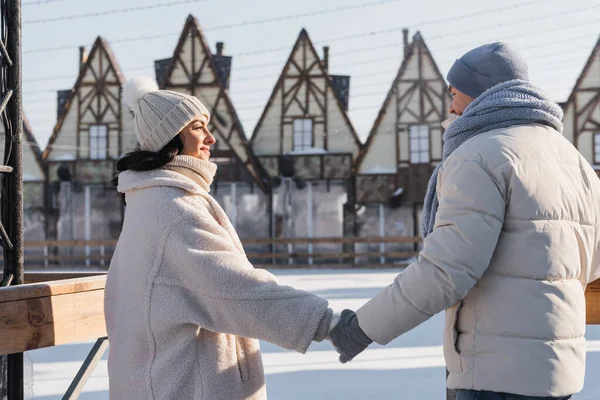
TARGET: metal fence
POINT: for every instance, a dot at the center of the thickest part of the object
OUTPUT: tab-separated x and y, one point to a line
11	181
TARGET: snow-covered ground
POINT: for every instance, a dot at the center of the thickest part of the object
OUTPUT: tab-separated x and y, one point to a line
411	367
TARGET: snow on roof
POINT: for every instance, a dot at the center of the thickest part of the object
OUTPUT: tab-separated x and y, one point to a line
378	169
64	157
309	150
31	178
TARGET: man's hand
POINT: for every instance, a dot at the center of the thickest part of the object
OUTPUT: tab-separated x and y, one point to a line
347	337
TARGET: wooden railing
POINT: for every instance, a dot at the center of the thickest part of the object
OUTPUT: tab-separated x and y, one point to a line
47	314
274	250
592	300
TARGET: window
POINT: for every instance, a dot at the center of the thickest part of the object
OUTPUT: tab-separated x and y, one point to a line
98	139
597	148
303	134
419	144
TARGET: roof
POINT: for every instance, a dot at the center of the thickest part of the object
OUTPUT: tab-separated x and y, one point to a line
100	45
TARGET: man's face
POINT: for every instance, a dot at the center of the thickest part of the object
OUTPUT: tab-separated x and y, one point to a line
460	101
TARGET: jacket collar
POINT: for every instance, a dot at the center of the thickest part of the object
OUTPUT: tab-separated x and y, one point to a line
193	180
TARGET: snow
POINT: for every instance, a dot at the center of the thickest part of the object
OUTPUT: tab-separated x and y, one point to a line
378	169
409	368
309	150
27	177
65	157
398	192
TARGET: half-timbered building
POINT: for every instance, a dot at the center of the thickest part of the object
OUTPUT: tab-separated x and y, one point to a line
582	111
93	130
241	186
403	147
308	146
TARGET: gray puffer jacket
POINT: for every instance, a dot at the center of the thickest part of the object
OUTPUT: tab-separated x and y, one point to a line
516	241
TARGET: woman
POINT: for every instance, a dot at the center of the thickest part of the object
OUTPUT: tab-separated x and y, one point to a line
183	305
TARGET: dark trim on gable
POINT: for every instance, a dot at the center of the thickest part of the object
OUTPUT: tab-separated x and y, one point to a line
329	85
192	25
99	45
417	44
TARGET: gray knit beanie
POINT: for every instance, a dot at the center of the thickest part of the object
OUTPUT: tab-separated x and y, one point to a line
486	66
159	114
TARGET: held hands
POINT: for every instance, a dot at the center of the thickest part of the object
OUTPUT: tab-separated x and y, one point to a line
347	337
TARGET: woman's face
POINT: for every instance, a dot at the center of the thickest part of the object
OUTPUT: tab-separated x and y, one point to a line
197	139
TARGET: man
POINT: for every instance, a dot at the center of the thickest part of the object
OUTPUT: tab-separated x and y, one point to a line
511	226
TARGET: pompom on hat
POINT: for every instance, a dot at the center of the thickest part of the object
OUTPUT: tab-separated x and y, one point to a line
159	114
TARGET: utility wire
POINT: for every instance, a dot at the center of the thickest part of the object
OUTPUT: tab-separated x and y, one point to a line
450	34
360	50
306	14
234	94
288	17
110	12
39	2
236	98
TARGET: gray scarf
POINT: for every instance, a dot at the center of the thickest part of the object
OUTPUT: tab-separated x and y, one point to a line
510	103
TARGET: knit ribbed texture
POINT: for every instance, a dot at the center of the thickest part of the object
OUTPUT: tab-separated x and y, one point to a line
348	338
485	67
507	104
200	171
162	115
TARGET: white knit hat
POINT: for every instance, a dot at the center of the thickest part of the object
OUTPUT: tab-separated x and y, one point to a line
159	114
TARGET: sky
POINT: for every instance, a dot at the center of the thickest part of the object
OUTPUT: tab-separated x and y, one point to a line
556	37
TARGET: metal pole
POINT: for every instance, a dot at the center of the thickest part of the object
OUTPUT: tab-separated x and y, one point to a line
13	202
272	215
86	369
416	225
71	208
382	232
287	217
233	204
309	218
88	227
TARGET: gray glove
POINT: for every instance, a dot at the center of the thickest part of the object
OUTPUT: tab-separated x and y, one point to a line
347	337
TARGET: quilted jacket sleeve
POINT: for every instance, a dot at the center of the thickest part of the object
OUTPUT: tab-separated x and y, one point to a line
454	256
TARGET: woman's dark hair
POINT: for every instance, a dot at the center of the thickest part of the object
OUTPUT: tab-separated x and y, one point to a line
149	160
